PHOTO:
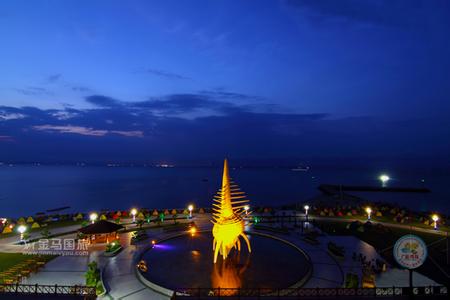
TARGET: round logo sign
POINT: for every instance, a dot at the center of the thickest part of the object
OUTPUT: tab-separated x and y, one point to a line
410	251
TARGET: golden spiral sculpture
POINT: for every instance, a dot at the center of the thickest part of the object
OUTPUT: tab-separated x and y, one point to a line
228	212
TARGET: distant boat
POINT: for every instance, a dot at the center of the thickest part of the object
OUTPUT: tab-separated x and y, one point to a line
301	169
164	166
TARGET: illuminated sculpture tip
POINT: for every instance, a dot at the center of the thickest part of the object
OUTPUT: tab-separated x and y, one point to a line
227	217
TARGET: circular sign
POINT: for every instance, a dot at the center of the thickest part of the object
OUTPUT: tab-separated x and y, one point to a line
410	251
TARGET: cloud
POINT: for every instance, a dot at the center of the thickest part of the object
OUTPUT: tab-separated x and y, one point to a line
81	89
64	114
205	102
54	78
396	13
186	103
6	138
164	74
103	101
33	91
86	130
5	116
120	130
221	93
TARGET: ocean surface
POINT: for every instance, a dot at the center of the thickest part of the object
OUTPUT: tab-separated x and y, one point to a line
27	189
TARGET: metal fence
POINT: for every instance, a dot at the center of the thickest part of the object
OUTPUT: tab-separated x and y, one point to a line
432	291
37	289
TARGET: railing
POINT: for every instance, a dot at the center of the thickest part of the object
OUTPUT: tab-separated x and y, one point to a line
37	289
432	291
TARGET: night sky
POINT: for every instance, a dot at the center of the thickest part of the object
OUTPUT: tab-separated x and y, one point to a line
101	81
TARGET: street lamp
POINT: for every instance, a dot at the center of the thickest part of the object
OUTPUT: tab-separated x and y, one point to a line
369	212
21	230
306	207
190	208
93	217
246	208
384	179
133	213
435	218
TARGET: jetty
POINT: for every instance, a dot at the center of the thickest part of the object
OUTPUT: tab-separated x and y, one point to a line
332	189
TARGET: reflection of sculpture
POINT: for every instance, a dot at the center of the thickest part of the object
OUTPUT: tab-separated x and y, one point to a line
227	217
229	273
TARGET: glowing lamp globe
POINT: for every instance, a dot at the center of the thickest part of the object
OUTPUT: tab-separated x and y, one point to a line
21	229
369	212
190	208
435	218
93	217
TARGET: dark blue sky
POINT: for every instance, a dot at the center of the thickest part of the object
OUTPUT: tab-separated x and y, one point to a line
198	80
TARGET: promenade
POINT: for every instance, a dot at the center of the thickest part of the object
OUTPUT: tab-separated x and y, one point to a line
119	272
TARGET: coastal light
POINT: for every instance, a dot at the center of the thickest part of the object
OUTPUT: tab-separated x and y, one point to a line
435	218
190	208
93	217
246	208
384	179
369	212
134	213
153	242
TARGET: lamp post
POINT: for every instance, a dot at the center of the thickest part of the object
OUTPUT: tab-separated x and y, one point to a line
93	217
369	212
384	179
133	213
246	208
306	207
435	218
190	208
21	230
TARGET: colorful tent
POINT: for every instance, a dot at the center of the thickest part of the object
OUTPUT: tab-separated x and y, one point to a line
35	225
155	213
30	220
7	229
174	211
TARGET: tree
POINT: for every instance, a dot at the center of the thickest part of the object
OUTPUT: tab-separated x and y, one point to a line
92	275
139	223
45	233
